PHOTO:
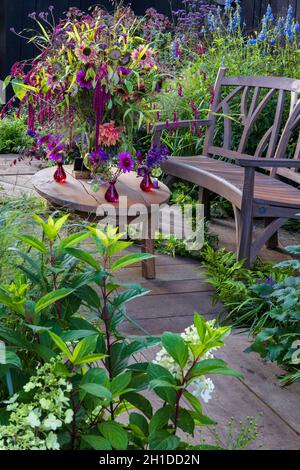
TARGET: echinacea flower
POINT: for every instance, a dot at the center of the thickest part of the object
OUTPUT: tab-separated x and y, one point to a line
109	134
126	162
143	56
86	53
82	81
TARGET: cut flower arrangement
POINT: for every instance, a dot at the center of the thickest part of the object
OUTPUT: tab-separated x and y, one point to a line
92	86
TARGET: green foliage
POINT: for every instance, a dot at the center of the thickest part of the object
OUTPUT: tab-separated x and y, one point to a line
68	307
264	299
13	137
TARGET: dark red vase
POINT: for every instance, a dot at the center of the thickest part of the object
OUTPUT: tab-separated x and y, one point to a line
111	194
60	174
147	184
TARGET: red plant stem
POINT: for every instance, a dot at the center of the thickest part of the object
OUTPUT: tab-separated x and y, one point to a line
105	295
181	391
54	278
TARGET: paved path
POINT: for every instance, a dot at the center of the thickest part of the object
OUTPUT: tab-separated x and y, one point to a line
178	292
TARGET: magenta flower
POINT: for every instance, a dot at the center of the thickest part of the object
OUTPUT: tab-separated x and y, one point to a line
123	71
98	158
82	81
45	139
126	162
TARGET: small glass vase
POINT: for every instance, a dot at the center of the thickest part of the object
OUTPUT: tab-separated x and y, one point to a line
111	194
60	174
147	184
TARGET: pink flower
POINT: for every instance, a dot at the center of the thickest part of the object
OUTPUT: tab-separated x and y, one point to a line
109	134
86	54
143	56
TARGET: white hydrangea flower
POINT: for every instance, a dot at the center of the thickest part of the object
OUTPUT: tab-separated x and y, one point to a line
69	416
29	386
204	388
45	404
33	420
12	399
51	442
52	423
49	402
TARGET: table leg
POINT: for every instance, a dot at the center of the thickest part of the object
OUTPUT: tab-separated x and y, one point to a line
148	266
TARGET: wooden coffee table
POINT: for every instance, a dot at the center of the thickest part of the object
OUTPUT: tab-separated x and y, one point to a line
77	196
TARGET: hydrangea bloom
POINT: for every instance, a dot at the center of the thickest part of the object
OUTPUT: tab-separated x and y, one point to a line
201	387
31	424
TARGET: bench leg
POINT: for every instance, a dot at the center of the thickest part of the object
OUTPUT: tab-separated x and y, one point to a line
244	247
237	218
204	198
272	243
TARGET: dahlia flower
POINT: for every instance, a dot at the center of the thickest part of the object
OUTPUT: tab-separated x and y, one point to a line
109	134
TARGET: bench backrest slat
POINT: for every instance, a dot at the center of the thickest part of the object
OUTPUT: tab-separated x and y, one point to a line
274	99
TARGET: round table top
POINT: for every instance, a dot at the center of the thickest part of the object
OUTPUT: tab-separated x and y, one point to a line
78	196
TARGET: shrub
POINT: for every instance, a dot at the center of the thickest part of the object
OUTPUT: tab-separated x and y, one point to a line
13	137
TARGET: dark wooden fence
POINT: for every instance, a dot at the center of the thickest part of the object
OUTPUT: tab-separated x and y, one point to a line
14	13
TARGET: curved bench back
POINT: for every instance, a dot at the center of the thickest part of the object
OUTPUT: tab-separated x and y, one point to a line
268	107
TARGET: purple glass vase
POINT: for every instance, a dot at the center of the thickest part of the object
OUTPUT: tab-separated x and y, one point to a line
60	174
147	184
111	194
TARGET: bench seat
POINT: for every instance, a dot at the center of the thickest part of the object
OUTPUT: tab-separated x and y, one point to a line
209	173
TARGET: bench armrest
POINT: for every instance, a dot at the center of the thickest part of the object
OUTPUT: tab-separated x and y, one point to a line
268	162
160	126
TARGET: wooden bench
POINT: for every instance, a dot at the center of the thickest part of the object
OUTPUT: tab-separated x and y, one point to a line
261	183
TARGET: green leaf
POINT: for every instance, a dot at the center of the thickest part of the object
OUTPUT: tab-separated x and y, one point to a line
139	402
176	347
120	383
85	257
214	366
51	298
130	259
73	239
60	222
115	434
61	345
12	359
139	424
162	440
97	391
186	421
117	247
97	442
100	235
85	347
193	401
200	325
160	419
35	243
90	359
